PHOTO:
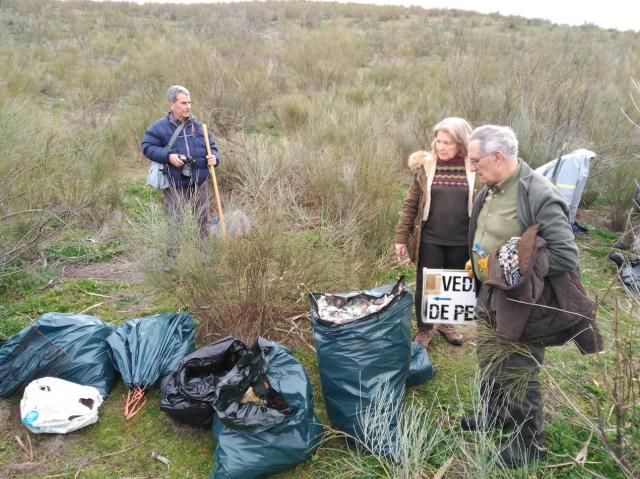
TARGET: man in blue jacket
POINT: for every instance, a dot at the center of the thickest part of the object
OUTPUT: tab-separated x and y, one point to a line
176	141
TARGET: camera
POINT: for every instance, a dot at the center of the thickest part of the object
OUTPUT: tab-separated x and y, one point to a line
188	163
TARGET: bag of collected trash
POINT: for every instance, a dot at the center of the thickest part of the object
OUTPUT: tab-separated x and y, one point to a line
628	271
146	349
264	421
363	343
62	345
57	406
187	394
420	369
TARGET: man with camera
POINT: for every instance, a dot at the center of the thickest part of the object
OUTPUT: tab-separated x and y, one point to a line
176	141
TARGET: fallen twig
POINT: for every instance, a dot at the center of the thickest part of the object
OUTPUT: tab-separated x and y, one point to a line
102	456
92	307
28	450
305	341
548	307
161	459
297	316
443	469
97	294
570	463
48	285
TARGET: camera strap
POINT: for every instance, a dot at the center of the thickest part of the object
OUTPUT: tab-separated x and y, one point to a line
172	140
174	137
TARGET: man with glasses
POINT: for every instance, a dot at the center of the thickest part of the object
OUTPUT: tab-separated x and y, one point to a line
513	199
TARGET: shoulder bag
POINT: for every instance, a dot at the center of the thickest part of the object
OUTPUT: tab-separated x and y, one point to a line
158	177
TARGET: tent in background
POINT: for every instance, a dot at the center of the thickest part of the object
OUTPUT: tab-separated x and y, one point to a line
569	174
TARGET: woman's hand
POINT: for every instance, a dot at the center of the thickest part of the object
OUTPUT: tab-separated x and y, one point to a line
401	251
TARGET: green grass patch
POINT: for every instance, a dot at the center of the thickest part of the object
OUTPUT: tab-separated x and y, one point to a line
270	128
18	281
566	441
83	251
137	196
95	298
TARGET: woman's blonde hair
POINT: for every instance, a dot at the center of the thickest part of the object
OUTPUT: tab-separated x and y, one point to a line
460	131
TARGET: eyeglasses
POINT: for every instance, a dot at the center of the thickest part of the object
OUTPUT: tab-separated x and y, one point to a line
475	161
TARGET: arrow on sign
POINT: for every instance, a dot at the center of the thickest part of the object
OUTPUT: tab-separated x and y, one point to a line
438	298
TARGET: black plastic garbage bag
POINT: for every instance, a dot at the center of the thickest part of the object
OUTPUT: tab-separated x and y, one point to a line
147	349
628	271
61	345
360	358
264	421
187	394
421	369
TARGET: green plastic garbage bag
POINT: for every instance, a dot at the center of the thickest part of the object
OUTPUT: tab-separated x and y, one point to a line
61	345
146	349
264	420
358	359
421	369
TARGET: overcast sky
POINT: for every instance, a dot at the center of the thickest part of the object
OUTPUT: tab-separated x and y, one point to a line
620	14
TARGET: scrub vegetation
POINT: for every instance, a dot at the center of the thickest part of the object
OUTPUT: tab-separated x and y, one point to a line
315	108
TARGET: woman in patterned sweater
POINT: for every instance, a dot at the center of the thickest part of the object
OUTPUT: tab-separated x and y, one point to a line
434	220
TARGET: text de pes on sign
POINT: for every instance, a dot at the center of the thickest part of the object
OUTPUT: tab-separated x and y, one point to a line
448	296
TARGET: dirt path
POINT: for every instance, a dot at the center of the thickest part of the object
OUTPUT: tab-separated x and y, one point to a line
121	272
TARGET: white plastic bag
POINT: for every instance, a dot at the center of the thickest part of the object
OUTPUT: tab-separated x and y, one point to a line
57	406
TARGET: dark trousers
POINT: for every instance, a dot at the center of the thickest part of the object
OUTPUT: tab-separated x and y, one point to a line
436	256
510	384
196	198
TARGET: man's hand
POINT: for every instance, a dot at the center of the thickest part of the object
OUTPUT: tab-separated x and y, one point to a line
468	267
212	160
401	251
175	160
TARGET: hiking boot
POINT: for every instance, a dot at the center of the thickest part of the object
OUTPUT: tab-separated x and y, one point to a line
450	334
474	423
481	423
617	258
578	228
424	337
515	455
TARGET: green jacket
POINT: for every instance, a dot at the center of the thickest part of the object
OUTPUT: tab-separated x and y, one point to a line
539	202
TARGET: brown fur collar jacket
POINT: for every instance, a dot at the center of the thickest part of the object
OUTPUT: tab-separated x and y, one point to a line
417	202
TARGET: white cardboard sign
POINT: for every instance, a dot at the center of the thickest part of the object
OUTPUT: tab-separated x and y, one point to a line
448	296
